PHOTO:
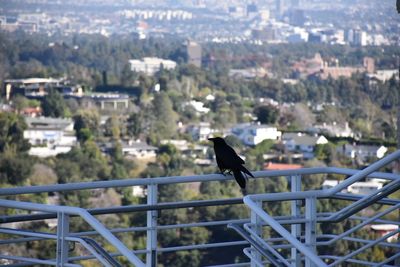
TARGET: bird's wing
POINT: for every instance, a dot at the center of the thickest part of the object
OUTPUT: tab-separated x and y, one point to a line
243	169
239	178
220	164
235	156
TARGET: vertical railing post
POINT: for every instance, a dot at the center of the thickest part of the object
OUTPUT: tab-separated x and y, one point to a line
311	227
62	243
256	223
151	244
295	184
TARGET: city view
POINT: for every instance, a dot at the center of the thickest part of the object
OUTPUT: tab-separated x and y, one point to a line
109	112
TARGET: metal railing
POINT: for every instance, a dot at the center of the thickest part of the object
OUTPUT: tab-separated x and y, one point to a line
309	245
302	244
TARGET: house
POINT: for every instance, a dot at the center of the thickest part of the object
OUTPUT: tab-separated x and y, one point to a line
269	166
362	152
364	188
31	111
151	65
384	75
38	87
249	73
333	129
139	191
384	229
188	149
49	136
253	134
105	101
139	150
300	142
198	106
201	131
327	184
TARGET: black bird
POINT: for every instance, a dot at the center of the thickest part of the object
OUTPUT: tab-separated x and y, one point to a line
228	160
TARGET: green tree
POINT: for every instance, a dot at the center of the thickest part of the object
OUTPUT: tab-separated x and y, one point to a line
113	127
87	124
165	116
54	105
134	125
12	128
15	168
266	114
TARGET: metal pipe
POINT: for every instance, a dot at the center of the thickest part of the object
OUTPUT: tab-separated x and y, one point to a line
283	232
86	216
181	179
124	209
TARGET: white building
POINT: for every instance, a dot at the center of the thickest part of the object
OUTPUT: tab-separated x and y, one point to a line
49	136
364	188
327	184
151	65
300	142
384	75
334	129
363	152
201	131
253	134
139	150
199	106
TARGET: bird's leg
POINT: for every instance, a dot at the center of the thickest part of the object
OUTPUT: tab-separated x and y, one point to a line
222	171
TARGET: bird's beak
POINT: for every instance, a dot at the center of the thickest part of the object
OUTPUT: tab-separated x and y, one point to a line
211	139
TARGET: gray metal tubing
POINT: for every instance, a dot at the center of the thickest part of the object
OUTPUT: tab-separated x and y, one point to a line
395	256
163	227
349	260
186	179
352	197
359	240
363	248
19	240
332	191
283	232
44	236
37	261
130	208
364	202
267	251
359	226
264	243
204	246
86	216
365	172
361	218
161	206
248	253
172	249
242	264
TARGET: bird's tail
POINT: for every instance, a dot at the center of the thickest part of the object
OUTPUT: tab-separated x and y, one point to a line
239	177
243	169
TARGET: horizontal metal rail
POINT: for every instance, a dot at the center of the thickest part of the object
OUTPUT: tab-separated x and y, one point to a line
184	179
171	205
104	232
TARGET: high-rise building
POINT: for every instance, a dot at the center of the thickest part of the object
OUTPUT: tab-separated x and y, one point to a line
281	6
360	37
194	53
369	64
251	9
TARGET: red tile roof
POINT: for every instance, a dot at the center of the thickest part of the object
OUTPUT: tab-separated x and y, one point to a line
281	166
